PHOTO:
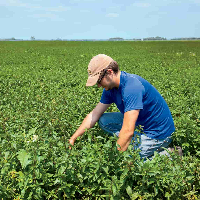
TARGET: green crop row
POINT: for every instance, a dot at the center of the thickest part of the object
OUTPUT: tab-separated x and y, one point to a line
43	100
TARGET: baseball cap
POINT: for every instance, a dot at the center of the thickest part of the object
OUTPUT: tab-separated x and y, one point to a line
95	67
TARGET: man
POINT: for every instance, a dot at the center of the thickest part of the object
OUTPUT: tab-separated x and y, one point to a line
139	104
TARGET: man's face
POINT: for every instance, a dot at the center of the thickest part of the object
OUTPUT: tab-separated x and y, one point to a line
107	82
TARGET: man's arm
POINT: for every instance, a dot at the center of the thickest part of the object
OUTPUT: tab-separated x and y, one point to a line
89	121
128	127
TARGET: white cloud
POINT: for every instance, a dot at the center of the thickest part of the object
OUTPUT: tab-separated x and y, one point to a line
112	15
17	3
142	5
85	11
57	9
75	1
44	17
9	3
196	2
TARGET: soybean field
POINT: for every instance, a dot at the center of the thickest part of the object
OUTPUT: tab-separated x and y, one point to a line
43	100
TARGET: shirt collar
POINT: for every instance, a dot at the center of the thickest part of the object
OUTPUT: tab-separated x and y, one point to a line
121	83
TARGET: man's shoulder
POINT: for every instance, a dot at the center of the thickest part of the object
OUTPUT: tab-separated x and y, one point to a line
131	80
131	77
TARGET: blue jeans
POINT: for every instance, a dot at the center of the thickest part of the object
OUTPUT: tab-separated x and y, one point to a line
111	123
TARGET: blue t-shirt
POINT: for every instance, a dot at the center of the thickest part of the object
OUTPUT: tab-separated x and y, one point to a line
136	93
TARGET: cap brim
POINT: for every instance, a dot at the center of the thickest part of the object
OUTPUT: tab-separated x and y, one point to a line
92	80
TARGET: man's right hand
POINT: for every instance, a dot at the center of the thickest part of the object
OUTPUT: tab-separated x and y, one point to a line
89	121
71	141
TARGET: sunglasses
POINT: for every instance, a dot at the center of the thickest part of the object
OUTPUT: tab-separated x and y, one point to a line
103	73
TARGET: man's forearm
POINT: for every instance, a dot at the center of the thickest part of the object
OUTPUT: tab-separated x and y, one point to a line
89	121
124	140
86	124
127	131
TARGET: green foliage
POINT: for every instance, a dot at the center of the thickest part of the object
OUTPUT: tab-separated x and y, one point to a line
43	100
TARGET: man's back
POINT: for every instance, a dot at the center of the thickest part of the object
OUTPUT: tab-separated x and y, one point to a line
134	93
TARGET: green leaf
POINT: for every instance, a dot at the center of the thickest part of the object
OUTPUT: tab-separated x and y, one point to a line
114	189
167	195
135	196
124	174
23	157
129	191
61	170
7	153
106	169
32	131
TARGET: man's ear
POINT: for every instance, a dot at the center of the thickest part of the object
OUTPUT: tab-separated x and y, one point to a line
109	71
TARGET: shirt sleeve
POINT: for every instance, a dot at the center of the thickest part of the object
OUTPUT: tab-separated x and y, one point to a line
132	96
106	97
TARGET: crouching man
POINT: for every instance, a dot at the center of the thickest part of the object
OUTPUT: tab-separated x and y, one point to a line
139	103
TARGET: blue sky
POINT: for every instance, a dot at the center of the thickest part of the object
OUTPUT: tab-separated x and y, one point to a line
95	19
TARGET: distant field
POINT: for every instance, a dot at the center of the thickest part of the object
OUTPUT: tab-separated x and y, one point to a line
43	100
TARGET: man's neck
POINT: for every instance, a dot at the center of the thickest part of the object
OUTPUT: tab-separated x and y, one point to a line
117	79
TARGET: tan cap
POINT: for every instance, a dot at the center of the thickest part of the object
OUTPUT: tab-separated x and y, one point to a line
96	65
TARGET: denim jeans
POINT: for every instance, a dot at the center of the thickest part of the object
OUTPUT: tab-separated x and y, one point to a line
111	123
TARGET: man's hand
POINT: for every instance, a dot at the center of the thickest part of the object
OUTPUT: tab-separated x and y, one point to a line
71	141
127	130
89	121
